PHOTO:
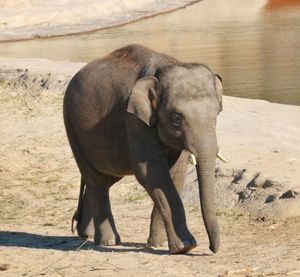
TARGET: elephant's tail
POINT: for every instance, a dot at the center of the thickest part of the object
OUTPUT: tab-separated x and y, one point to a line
77	215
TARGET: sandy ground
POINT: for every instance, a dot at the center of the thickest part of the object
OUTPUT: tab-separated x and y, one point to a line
40	184
24	19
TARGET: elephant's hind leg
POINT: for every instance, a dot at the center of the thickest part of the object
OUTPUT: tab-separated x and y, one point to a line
96	200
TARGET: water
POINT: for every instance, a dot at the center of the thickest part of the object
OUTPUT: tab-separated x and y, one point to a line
253	44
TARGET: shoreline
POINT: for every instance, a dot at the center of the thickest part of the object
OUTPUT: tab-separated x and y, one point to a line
8	35
259	139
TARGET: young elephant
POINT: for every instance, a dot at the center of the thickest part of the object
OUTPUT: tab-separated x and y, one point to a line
135	111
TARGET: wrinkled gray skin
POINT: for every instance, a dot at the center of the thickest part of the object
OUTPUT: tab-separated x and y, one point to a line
134	112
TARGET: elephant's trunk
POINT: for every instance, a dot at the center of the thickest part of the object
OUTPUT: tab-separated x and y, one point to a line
206	151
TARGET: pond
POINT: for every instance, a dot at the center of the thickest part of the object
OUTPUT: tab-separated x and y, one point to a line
254	45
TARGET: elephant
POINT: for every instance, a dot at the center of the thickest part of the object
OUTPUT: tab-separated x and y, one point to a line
140	112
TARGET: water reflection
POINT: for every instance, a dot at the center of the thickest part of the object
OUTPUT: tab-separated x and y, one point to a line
253	44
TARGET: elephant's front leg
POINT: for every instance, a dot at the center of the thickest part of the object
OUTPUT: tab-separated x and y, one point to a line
155	177
149	160
158	235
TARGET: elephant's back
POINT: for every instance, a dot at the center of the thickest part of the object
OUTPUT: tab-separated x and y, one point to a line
98	88
104	85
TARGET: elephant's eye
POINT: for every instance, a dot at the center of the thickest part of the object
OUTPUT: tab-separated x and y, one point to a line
176	119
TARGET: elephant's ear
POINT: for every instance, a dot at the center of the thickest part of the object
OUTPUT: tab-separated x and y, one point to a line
219	90
143	99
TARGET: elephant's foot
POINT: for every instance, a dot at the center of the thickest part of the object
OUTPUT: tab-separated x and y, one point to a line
108	241
177	245
85	229
152	242
181	241
85	234
180	246
158	238
105	235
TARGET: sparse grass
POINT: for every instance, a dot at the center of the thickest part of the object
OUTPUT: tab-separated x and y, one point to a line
140	196
48	224
194	208
231	214
52	179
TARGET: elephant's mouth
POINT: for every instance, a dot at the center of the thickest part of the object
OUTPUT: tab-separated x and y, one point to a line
219	156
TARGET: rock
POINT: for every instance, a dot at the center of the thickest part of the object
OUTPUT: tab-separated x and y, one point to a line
4	267
288	194
238	176
271	198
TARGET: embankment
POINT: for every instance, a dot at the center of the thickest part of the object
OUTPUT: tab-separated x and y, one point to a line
24	19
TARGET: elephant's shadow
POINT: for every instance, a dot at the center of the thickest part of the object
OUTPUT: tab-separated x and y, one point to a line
69	243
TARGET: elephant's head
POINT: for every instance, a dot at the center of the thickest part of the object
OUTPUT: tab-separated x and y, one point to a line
182	101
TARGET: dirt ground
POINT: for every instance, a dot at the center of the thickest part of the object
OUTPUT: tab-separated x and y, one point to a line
39	190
